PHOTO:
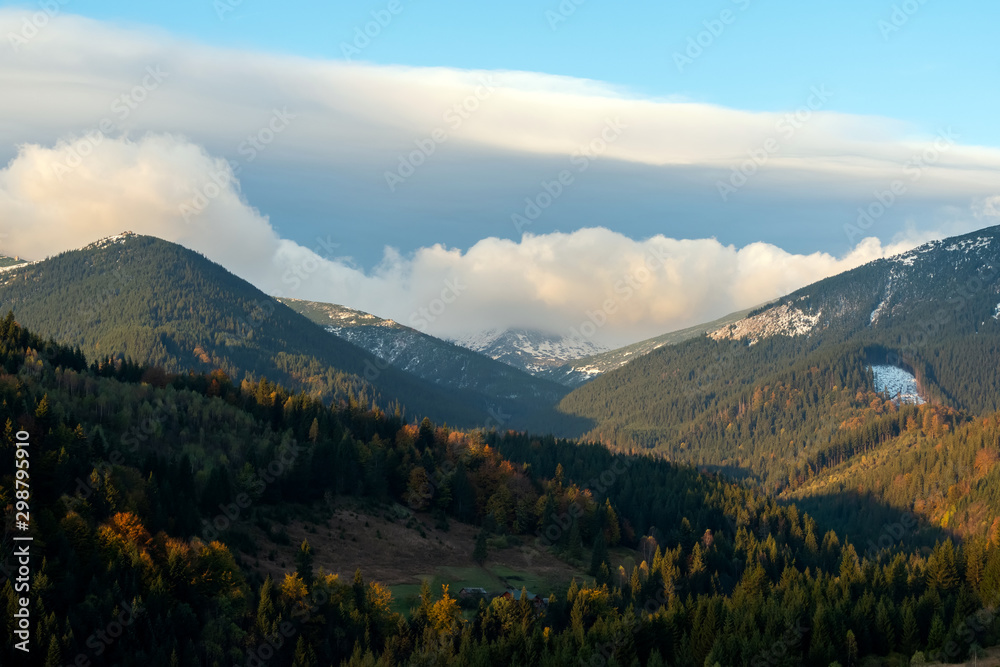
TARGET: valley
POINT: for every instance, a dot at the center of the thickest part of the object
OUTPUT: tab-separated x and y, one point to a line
560	334
802	461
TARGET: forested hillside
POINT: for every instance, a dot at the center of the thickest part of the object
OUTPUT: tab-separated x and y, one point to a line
430	358
130	465
157	303
582	370
931	464
766	395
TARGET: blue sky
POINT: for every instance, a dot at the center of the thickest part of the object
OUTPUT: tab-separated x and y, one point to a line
760	145
936	68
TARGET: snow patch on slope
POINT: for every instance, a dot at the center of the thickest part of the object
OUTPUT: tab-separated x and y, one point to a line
533	351
897	383
110	240
909	257
4	269
877	313
783	320
495	343
970	244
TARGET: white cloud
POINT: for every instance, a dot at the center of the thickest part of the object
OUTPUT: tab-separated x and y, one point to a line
82	89
556	282
988	207
356	111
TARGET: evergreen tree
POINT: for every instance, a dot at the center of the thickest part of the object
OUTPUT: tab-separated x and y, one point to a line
304	656
599	555
480	552
304	563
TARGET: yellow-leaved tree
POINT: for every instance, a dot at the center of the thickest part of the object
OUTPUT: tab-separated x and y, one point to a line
445	614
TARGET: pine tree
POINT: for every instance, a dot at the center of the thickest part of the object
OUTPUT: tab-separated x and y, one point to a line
480	552
852	649
886	629
53	657
612	528
942	571
574	546
305	656
599	555
425	436
304	563
704	630
911	632
576	620
989	590
266	615
820	647
936	637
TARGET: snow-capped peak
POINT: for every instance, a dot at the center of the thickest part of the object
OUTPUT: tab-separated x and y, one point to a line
528	350
111	240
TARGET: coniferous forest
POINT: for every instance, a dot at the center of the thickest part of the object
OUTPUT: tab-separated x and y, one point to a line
441	334
129	462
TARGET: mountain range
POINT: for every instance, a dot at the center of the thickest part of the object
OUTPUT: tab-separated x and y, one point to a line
427	357
162	304
155	302
930	312
723	484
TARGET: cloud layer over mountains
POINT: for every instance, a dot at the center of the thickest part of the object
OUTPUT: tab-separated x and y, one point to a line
457	201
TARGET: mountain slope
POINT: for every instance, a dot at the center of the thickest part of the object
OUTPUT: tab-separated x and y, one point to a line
932	463
581	370
162	304
533	351
427	357
133	523
933	308
764	394
7	262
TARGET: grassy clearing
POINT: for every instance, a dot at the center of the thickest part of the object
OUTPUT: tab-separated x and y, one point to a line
394	547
